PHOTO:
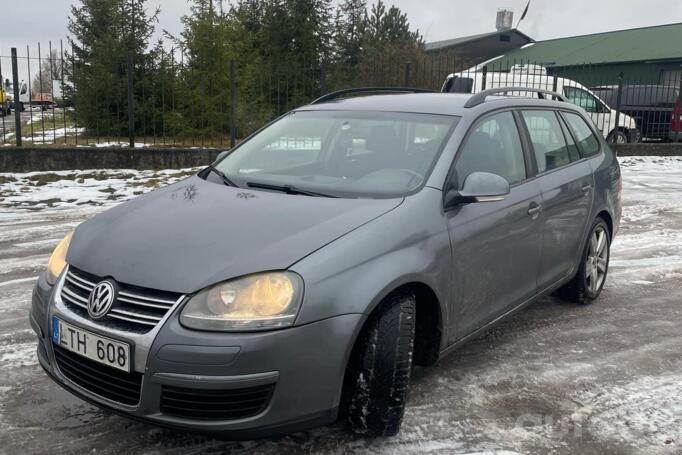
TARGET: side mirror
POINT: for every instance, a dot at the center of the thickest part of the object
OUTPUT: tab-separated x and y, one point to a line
479	187
221	155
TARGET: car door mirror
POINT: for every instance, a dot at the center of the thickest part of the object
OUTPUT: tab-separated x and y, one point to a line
479	187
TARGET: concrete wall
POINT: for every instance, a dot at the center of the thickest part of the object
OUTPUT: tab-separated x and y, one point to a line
649	149
29	159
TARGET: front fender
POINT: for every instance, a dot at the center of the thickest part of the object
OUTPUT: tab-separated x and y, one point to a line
354	273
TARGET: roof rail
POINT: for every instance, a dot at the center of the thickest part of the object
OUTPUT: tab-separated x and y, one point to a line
479	98
348	91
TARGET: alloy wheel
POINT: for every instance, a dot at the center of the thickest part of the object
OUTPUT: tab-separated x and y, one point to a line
597	259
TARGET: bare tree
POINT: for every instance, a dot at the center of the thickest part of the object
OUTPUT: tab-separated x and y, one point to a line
50	70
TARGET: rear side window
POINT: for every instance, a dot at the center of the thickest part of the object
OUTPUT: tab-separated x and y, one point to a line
583	134
573	150
493	146
548	140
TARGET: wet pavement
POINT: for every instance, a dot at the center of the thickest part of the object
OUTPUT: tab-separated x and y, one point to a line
556	378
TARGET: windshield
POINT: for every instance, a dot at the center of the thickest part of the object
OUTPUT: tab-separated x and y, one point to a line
342	153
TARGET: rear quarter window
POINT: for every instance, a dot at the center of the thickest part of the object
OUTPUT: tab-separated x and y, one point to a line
589	143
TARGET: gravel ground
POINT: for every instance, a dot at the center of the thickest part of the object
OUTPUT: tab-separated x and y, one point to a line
556	378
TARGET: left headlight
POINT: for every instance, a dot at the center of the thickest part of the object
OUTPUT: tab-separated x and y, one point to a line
57	261
257	302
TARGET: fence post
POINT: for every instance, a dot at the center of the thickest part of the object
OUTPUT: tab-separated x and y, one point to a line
17	112
618	100
408	70
678	120
233	106
131	105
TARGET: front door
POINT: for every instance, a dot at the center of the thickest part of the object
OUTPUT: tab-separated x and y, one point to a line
495	245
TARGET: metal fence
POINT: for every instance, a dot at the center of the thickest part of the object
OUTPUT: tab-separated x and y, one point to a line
172	101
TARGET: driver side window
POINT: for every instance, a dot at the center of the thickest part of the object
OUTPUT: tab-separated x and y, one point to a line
493	146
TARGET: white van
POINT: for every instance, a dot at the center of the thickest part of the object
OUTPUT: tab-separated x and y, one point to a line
535	76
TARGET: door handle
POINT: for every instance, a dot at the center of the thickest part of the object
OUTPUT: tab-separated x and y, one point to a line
586	188
534	209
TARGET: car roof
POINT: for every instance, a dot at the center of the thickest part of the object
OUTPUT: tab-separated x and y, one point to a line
430	103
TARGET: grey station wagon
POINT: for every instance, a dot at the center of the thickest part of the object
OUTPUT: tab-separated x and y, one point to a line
300	278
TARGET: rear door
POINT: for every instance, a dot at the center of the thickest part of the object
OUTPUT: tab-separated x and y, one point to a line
495	245
566	185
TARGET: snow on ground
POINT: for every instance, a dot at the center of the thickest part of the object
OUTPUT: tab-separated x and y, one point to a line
116	144
72	189
49	135
649	245
645	411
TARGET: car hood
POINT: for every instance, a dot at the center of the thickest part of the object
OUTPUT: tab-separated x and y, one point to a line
194	233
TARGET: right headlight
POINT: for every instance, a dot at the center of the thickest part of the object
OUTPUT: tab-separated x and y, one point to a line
57	261
256	302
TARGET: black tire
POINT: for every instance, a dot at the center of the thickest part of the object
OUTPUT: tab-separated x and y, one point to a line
580	289
378	376
617	137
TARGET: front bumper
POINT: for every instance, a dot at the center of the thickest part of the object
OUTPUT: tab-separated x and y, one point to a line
305	366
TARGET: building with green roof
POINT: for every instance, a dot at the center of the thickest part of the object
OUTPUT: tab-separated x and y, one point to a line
647	55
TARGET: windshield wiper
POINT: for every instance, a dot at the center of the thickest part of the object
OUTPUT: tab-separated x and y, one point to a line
221	174
289	189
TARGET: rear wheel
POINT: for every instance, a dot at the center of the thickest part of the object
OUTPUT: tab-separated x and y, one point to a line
378	376
617	137
594	265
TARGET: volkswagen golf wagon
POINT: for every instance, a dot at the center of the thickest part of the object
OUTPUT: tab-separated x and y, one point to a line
300	278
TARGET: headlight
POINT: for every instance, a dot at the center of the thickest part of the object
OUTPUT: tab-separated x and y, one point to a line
257	302
57	261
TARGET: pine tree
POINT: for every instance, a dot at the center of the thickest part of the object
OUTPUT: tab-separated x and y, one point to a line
389	26
350	30
102	35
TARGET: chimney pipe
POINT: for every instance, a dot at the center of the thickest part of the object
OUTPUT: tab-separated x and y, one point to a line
505	18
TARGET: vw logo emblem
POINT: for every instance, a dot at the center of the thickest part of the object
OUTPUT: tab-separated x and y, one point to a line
101	298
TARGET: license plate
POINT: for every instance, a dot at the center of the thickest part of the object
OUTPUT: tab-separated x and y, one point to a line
95	347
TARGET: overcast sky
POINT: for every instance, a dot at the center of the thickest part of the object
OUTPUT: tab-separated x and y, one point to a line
44	20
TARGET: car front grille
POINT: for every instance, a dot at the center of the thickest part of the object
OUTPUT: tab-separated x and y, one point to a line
135	309
207	404
99	379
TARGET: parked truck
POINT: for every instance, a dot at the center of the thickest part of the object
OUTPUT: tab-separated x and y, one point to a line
43	100
477	79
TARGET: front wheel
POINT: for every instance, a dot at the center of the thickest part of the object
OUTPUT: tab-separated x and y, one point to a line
378	376
594	266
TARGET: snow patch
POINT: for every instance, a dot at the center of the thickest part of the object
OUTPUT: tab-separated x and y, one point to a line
18	355
646	412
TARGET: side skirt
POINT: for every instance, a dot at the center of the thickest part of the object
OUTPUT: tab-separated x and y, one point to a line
457	344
